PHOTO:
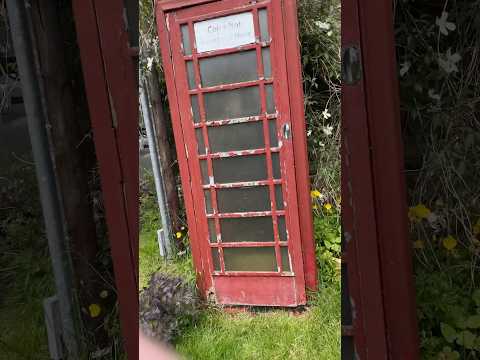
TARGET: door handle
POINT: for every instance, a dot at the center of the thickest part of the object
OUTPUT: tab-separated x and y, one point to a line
286	132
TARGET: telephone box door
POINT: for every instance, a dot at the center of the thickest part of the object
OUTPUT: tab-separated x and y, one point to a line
231	85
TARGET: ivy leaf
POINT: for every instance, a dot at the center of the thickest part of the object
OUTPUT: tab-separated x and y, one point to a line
448	332
467	339
473	322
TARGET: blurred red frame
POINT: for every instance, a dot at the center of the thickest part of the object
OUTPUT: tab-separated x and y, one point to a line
377	253
111	85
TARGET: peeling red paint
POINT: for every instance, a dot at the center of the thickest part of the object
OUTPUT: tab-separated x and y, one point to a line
243	287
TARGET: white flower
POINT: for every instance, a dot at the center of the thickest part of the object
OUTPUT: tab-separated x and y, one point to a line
432	95
323	25
309	132
328	130
149	63
326	114
444	25
405	67
448	63
330	33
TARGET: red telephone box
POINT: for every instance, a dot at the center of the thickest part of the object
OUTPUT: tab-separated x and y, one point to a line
378	299
234	85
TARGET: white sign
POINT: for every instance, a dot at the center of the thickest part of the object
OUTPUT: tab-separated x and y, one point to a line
224	32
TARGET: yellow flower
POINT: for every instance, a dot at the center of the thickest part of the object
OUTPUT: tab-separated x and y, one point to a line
418	244
476	227
178	234
315	206
315	194
328	206
94	310
449	242
418	212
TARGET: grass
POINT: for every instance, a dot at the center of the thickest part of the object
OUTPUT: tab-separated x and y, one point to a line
276	334
273	335
25	270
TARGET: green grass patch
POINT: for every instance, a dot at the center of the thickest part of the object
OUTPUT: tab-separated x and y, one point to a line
25	270
277	334
269	335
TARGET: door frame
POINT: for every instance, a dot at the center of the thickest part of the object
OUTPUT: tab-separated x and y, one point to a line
294	86
111	88
378	257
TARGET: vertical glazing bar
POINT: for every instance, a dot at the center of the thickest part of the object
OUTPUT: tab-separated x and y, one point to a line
201	105
266	135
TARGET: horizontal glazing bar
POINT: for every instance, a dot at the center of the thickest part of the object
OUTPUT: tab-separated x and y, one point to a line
237	153
247	7
247	244
245	214
232	86
227	51
235	121
243	184
253	273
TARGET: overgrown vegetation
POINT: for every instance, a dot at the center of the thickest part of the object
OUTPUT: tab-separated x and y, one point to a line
214	334
439	67
25	273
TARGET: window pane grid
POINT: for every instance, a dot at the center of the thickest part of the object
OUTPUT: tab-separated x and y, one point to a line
201	102
266	132
268	151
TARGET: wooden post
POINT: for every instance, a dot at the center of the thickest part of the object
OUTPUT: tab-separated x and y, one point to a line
72	154
164	147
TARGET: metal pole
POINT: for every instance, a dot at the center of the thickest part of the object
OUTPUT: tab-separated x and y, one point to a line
157	170
61	262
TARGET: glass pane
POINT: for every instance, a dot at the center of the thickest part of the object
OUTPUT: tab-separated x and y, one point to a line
254	229
228	69
263	18
204	170
270	99
208	201
279	197
190	75
255	198
267	64
282	229
272	124
187	47
200	142
240	168
216	259
212	231
231	104
276	166
250	259
234	137
195	108
285	258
